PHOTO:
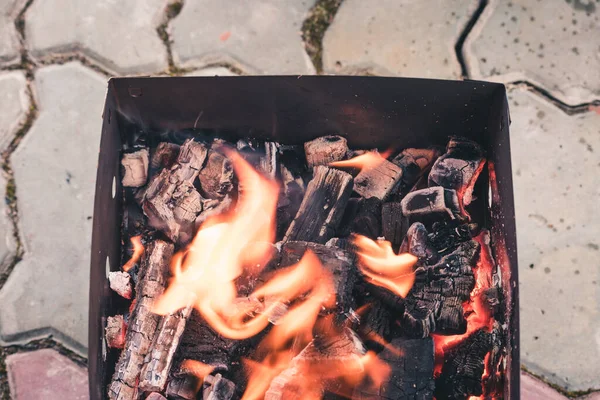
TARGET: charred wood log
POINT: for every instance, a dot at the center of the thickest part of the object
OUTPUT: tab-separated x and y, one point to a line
335	260
167	192
322	207
411	376
164	156
115	332
431	204
120	282
394	225
414	163
458	168
463	367
216	178
135	167
152	280
324	150
183	386
378	181
268	162
363	217
158	362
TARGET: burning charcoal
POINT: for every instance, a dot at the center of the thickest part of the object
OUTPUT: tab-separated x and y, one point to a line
164	190
158	362
458	168
463	367
431	203
136	168
342	243
493	382
183	386
447	235
363	217
379	180
296	382
325	150
414	163
164	156
115	332
120	282
201	343
216	387
375	324
434	305
143	322
216	177
337	261
394	224
411	376
156	396
322	207
290	198
418	243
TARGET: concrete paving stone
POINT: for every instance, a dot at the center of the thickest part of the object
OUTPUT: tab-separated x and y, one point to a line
534	389
260	36
120	35
45	374
211	71
591	396
14	104
55	173
9	38
392	37
553	44
556	163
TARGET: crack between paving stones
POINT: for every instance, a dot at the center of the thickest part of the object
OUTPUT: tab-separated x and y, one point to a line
314	27
458	47
566	108
38	344
572	394
172	10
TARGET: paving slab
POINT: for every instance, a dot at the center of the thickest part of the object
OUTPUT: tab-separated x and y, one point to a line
14	104
45	374
534	389
119	35
391	37
9	38
553	44
55	173
259	37
556	164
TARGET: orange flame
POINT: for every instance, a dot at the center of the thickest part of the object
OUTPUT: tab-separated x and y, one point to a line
383	267
196	368
368	160
138	250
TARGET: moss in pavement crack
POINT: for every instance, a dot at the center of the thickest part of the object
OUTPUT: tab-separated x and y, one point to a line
314	27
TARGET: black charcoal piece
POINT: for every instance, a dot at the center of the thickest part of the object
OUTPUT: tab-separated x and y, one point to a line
324	150
433	203
411	376
394	225
322	207
458	168
463	367
362	217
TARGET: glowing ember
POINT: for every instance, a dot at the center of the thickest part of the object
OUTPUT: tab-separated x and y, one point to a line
383	267
478	313
368	160
138	251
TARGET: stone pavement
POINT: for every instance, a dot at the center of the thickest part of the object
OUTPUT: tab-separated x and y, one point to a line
550	47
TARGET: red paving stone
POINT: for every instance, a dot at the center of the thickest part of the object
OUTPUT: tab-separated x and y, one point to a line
45	374
534	389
